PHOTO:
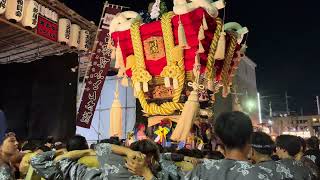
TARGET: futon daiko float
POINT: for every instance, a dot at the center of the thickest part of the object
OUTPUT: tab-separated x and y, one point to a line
179	61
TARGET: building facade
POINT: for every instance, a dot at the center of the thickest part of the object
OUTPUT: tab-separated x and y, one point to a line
243	95
304	126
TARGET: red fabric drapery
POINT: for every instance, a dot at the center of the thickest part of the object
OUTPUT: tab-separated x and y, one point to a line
191	22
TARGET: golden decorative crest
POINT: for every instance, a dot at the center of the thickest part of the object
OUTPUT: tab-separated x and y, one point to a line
154	48
161	92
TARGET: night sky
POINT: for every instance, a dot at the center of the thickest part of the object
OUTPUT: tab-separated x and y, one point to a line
283	42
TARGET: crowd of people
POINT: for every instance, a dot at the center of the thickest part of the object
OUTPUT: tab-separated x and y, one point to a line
241	154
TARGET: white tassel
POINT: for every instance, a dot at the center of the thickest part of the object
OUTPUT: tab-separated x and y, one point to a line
196	63
191	108
200	49
220	52
182	36
116	115
204	23
201	35
175	83
113	54
167	82
189	114
125	81
145	87
119	57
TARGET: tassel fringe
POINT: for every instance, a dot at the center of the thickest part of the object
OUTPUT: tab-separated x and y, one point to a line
119	57
182	36
204	23
189	113
220	52
201	49
116	115
201	33
201	36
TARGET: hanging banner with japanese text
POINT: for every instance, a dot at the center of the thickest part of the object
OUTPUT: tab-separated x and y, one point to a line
100	63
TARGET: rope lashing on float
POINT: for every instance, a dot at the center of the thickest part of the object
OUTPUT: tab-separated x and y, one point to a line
210	70
139	72
174	55
227	65
228	60
140	68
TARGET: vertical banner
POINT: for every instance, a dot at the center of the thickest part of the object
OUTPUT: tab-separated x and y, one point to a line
100	63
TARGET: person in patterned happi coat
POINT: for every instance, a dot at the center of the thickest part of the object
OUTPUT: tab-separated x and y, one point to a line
308	163
234	129
8	148
312	150
287	147
262	148
142	161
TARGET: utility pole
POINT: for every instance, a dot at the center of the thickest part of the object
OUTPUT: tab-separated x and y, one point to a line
318	107
270	116
287	105
270	109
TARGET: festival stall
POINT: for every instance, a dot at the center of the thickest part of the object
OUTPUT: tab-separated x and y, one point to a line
176	61
32	30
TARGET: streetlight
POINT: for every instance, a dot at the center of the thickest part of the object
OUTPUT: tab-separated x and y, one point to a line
250	105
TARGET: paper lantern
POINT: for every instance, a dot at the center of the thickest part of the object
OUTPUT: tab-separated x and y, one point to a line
3	5
30	16
14	10
74	36
64	30
84	40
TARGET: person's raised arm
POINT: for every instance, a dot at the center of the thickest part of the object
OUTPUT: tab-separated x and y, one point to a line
45	166
140	168
76	154
104	150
